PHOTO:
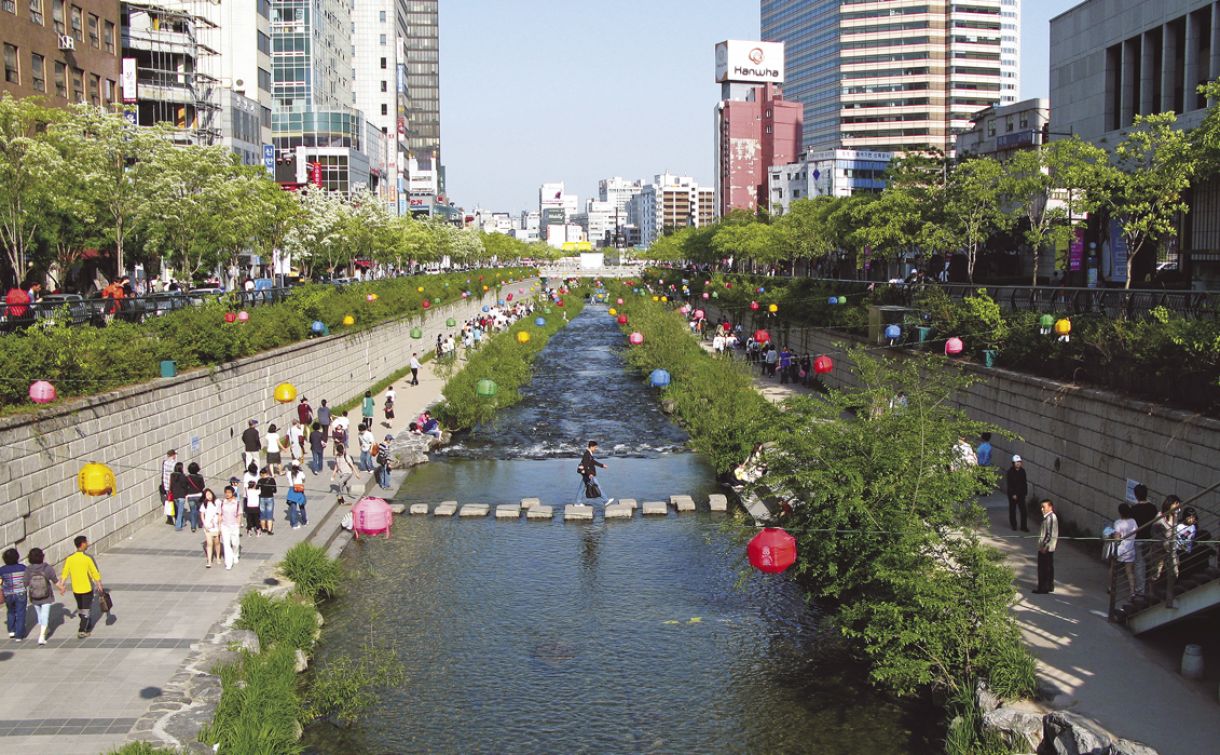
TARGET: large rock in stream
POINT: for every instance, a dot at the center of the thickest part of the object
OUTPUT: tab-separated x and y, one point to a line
410	449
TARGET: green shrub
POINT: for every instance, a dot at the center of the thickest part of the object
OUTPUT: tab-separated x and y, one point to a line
259	711
345	687
315	574
142	748
278	621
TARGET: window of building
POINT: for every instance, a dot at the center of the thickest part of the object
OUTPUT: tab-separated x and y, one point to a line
264	80
57	15
382	38
10	6
385	109
36	12
108	92
108	36
12	74
991	128
383	87
78	23
38	72
383	64
78	85
61	80
381	16
264	43
95	35
95	89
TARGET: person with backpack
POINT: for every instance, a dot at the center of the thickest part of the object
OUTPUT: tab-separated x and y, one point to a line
13	585
194	493
40	587
296	497
81	571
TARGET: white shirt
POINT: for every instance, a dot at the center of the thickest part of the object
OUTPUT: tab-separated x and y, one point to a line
414	363
273	442
390	395
1124	530
210	512
343	422
167	469
718	343
367	439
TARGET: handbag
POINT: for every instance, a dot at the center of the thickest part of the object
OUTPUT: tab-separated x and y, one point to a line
298	487
104	601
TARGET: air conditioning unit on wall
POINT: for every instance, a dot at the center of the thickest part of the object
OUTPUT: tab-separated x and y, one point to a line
67	42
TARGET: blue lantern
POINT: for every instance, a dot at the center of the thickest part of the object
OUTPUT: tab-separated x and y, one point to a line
501	302
486	308
540	322
833	300
659	378
318	327
893	332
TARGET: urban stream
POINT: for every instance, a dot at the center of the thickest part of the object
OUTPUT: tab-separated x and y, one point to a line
620	636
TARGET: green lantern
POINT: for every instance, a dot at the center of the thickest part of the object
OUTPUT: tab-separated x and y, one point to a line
450	322
417	333
1046	322
485	388
715	294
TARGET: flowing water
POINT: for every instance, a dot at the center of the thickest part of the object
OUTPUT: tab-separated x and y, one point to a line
620	636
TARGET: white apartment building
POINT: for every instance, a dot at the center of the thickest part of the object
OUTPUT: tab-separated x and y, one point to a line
244	34
600	220
379	86
671	202
618	191
826	173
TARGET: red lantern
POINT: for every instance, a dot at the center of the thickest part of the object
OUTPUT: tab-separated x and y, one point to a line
772	551
754	306
559	302
823	364
728	285
699	314
622	319
230	317
42	392
508	298
425	304
762	336
636	338
953	346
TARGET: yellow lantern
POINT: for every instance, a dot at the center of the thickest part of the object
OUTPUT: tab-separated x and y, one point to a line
285	393
523	336
613	311
419	289
664	298
348	320
772	308
1063	327
656	298
485	287
96	479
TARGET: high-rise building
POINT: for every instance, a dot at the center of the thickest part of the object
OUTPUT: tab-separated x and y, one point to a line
600	220
422	124
671	202
379	81
903	75
245	70
61	53
619	191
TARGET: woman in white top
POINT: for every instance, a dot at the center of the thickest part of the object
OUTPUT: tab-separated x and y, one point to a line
272	444
1124	532
209	514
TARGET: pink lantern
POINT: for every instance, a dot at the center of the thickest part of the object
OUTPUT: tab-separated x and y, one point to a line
371	516
754	306
508	298
230	317
684	309
706	295
762	336
636	338
699	314
42	392
953	346
425	304
243	316
618	301
772	551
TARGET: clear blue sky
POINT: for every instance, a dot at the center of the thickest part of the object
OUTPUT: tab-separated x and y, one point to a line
574	91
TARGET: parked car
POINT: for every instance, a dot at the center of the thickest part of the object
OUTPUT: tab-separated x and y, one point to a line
50	306
205	294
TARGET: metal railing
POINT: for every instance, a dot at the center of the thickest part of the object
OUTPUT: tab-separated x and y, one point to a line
100	311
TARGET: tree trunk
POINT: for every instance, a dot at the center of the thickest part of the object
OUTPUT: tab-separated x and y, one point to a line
1035	248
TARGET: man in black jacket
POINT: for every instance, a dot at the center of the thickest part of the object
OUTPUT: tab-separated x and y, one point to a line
253	443
588	471
1018	489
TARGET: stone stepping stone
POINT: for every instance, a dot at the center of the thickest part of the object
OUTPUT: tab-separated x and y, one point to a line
540	513
655	508
619	511
718	502
682	502
419	508
445	508
474	509
508	511
529	503
398	508
630	503
575	512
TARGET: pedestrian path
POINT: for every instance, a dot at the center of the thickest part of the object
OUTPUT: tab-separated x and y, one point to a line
85	695
1098	669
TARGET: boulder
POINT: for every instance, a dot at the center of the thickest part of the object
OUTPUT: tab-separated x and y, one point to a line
243	639
984	698
1021	729
410	450
1065	733
302	661
1127	747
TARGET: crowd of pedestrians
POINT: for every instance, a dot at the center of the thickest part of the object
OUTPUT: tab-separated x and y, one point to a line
33	584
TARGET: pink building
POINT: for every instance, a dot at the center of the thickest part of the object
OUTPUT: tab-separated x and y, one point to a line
753	134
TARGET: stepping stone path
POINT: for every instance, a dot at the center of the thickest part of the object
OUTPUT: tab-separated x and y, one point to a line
508	511
529	503
419	508
682	502
575	512
445	508
718	502
398	508
540	513
623	508
619	511
656	508
474	509
630	503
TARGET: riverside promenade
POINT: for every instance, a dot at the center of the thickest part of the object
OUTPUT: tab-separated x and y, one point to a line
85	696
1095	668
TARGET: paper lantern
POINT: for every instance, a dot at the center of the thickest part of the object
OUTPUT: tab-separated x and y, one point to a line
762	336
728	285
1045	323
420	289
425	304
842	299
953	346
706	296
42	392
509	297
523	336
540	322
612	312
622	319
832	300
371	516
371	298
772	308
501	302
559	302
762	290
485	288
664	298
285	393
893	332
417	333
230	317
659	378
684	309
715	294
485	388
96	479
486	308
243	316
656	298
1063	327
636	338
823	364
754	306
619	301
450	323
348	320
699	314
772	551
317	327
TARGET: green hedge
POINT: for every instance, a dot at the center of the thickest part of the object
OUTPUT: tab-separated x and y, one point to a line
81	360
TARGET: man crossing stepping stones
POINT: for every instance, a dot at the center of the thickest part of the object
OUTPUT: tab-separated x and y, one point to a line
588	475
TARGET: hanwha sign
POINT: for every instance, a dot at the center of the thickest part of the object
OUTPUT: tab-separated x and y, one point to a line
749	62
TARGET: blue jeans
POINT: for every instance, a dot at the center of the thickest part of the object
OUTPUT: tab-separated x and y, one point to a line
316	464
383	476
266	509
366	461
296	514
192	510
16	614
180	514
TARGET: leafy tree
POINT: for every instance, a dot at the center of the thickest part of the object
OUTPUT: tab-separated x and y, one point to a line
803	232
1154	166
755	241
316	240
28	162
973	210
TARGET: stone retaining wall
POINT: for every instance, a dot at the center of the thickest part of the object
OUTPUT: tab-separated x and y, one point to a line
201	414
1080	445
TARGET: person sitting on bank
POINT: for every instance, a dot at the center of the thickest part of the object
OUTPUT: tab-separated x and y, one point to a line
430	426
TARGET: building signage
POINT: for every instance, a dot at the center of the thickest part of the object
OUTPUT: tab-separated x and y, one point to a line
1118	253
749	62
315	174
1076	251
269	157
127	82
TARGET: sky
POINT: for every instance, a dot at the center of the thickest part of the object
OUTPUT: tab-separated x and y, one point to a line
576	90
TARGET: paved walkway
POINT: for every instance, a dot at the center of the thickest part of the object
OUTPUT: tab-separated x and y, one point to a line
1102	671
85	695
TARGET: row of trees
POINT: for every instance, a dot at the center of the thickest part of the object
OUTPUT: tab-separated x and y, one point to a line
935	206
84	178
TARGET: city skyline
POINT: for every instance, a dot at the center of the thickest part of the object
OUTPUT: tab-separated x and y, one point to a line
581	124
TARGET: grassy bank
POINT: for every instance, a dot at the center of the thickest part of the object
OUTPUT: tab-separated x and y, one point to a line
505	361
82	360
